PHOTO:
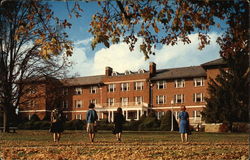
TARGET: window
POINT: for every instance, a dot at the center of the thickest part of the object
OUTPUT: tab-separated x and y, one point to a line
79	116
160	114
32	90
65	104
78	103
65	91
196	113
160	99
138	85
93	101
111	101
78	90
32	103
141	71
127	72
93	89
180	83
198	97
161	84
179	98
125	86
124	101
198	82
115	73
111	88
138	100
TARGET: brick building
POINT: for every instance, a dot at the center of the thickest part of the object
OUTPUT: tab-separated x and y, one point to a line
136	93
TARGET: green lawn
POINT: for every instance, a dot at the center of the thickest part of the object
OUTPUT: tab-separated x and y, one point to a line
135	145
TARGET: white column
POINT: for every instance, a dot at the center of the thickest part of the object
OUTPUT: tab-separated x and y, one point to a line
108	116
112	119
102	115
98	115
138	114
126	115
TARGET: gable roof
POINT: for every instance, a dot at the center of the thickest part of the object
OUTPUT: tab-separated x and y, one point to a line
81	81
217	62
184	72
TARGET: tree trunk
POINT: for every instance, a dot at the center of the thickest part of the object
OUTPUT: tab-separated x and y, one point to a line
5	122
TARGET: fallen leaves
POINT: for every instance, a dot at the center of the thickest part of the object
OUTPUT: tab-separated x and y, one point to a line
134	146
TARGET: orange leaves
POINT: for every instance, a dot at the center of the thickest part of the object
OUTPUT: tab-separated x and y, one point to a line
155	27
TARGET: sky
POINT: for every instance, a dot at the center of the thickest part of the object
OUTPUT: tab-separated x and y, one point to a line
88	62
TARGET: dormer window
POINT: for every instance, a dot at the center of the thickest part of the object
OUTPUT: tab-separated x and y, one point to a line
115	74
127	72
141	71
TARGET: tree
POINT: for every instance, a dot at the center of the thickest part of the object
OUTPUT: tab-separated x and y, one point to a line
166	22
34	45
228	93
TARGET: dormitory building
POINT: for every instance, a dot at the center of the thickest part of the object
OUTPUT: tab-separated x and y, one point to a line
136	92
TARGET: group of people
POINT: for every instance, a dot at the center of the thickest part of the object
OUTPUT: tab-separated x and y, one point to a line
92	117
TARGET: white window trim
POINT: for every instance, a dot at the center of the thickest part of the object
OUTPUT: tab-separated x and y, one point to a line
111	100
176	98
93	89
77	103
138	100
161	83
111	88
125	101
125	84
196	80
78	91
94	101
195	97
158	99
182	81
139	86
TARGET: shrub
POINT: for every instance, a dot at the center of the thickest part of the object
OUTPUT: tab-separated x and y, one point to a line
166	122
75	124
34	117
149	123
35	125
104	125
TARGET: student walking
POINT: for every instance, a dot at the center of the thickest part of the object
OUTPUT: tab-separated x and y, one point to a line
56	124
118	120
183	124
91	122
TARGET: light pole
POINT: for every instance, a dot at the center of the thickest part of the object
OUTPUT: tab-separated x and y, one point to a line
172	116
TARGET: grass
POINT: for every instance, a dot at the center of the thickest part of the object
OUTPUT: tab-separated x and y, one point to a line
37	144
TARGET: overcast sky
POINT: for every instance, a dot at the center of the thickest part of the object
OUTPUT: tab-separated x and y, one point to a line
88	62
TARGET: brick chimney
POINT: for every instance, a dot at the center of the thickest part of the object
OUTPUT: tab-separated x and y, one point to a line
152	68
108	71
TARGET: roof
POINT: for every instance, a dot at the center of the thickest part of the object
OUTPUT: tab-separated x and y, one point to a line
83	80
216	62
175	73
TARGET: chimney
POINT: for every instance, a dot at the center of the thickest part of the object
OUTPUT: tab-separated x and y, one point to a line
152	68
108	71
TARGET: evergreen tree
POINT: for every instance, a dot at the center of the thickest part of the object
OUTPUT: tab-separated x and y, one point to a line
228	92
